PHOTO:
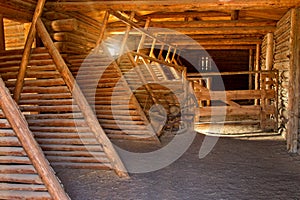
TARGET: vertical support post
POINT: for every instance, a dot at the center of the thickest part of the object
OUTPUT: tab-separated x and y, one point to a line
250	68
141	44
256	83
126	35
269	52
168	53
2	35
151	54
27	50
294	83
102	31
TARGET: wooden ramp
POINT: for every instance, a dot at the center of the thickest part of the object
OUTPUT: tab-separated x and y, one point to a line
52	114
21	176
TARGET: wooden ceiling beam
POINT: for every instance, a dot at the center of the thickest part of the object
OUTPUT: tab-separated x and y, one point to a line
172	5
15	13
218	47
205	31
244	41
160	15
203	24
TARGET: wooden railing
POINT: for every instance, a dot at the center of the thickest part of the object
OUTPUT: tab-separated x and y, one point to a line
262	102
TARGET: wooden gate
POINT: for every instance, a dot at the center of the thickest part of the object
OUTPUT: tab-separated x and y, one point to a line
259	103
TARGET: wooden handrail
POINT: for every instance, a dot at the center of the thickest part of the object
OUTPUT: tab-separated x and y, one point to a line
204	74
177	67
139	28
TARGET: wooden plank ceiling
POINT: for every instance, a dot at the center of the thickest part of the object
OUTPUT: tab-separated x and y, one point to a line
212	23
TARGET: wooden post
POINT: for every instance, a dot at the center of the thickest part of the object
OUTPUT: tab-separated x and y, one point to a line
102	31
294	82
2	35
250	67
141	44
34	152
151	54
27	50
269	51
80	99
256	81
126	35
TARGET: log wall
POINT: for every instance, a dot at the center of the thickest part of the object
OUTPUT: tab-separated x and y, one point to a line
282	37
72	33
15	34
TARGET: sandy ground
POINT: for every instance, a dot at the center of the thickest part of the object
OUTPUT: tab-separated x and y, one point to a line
236	168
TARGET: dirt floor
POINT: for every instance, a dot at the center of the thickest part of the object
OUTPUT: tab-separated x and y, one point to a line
237	168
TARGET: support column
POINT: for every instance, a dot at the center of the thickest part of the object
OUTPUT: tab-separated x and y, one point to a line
27	50
256	83
2	35
250	68
294	82
269	53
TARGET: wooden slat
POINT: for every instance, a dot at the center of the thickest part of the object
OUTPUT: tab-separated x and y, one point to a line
243	110
171	6
13	194
17	169
12	187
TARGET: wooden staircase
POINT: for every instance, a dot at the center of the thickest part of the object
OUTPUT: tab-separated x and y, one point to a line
53	116
19	177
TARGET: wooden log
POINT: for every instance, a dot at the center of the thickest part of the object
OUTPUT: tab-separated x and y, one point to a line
230	111
17	169
32	149
15	194
171	6
250	68
81	101
269	52
12	187
27	50
294	83
2	36
103	28
137	27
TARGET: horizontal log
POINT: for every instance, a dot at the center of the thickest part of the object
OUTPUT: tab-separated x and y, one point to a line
99	160
89	148
205	31
60	141
230	111
171	6
14	194
21	178
9	141
12	151
14	160
13	187
17	169
60	129
235	95
104	166
75	153
52	135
